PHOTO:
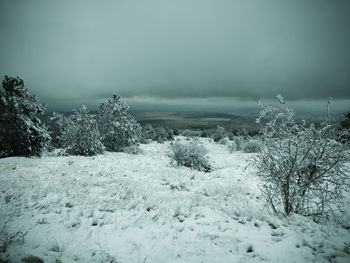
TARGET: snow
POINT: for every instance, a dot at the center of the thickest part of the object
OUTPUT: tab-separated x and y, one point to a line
118	207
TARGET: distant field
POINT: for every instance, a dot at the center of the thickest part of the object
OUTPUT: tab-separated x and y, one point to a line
195	120
215	119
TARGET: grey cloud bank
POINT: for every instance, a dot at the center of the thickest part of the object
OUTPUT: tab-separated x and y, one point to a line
73	52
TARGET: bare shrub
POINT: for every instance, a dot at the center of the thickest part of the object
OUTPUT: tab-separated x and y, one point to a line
302	169
7	238
190	154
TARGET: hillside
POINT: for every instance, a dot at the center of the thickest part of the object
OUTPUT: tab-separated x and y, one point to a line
118	207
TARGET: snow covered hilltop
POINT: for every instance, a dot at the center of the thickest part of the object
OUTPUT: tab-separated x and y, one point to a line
120	207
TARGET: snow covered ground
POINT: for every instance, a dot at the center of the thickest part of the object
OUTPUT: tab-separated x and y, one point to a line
119	207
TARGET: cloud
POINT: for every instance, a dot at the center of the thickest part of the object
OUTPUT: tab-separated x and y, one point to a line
85	50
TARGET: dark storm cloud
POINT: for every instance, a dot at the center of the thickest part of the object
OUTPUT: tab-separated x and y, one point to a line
72	52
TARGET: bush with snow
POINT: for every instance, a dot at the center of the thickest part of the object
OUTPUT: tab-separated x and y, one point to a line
148	133
117	127
161	135
252	146
224	141
176	132
247	145
238	142
204	134
158	134
190	154
219	133
231	147
21	131
301	168
80	134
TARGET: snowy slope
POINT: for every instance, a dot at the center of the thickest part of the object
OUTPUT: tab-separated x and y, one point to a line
118	207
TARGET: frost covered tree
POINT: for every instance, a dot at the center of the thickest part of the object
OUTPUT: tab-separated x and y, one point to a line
21	131
301	168
118	128
80	134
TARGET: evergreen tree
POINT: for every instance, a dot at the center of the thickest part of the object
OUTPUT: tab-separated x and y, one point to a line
118	128
21	131
80	134
56	127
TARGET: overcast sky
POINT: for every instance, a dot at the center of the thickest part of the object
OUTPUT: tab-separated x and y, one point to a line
183	53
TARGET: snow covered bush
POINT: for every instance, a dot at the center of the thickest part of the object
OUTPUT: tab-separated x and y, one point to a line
190	154
252	146
224	141
239	142
176	132
301	168
21	131
80	134
204	134
171	135
244	133
160	135
219	134
231	147
117	127
148	133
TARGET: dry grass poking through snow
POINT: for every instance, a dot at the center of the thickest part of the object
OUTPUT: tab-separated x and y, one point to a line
119	207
